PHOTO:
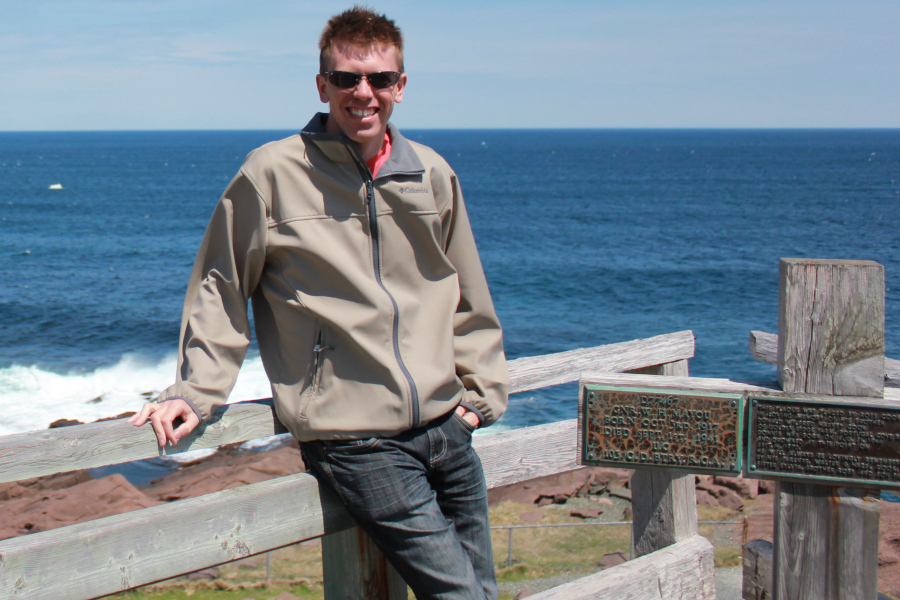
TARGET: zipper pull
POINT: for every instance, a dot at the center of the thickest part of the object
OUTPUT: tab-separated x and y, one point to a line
320	348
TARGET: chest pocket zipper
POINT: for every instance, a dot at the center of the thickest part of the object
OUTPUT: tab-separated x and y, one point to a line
312	390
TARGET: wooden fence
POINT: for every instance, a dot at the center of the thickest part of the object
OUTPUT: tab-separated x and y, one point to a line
112	554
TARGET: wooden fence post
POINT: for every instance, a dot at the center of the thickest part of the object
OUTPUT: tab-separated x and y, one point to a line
830	341
355	569
664	503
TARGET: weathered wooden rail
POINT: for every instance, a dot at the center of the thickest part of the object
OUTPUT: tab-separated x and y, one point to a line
112	442
112	554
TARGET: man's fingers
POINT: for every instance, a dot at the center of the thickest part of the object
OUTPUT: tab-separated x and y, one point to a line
468	416
141	417
190	422
162	417
167	427
157	420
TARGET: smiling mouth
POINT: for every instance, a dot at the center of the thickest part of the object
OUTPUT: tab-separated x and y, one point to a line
362	112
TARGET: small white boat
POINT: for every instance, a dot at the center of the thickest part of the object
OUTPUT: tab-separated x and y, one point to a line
55	186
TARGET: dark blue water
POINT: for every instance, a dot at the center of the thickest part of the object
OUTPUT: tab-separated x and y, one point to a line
587	237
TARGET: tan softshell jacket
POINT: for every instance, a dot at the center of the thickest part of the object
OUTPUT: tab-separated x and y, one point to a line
372	312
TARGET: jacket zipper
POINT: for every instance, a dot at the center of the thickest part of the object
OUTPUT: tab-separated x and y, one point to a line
312	391
376	254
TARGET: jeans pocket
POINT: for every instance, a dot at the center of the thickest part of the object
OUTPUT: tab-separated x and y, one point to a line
469	428
350	446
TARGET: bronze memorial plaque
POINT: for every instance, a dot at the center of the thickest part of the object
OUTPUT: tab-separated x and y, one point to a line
829	442
661	429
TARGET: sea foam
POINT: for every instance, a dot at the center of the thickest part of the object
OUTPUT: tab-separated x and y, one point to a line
31	398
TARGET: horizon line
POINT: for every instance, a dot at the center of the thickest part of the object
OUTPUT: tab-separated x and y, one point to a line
624	128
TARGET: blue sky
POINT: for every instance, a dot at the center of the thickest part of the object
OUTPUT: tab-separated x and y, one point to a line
226	64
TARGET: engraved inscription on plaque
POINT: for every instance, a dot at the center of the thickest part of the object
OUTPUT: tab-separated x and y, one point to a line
824	441
647	427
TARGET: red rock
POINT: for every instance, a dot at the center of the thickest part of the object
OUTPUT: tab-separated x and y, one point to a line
731	500
889	549
64	423
612	559
70	498
532	516
887	553
69	422
759	521
51	508
559	493
704	498
545	502
620	491
766	487
35	485
707	485
586	513
123	415
627	514
527	492
585	489
748	488
226	470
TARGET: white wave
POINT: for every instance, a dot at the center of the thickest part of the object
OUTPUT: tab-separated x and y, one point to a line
32	398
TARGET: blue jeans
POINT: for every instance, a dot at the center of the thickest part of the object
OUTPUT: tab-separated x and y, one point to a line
422	498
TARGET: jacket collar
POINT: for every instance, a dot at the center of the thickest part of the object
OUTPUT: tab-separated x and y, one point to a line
339	148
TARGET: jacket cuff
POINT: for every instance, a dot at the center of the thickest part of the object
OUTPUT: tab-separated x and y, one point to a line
474	409
189	403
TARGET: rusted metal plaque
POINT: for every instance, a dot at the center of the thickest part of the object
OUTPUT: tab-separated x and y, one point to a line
833	442
661	429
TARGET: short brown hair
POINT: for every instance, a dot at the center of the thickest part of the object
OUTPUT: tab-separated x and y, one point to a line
360	26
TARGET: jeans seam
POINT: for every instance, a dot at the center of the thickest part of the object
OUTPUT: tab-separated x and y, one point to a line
444	444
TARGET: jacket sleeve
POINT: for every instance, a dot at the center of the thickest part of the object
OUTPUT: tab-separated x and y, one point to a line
478	338
215	328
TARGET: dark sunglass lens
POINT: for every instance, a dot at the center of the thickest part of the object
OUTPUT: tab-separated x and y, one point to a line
344	79
382	80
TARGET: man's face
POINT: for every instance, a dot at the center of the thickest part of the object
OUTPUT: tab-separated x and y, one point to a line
361	113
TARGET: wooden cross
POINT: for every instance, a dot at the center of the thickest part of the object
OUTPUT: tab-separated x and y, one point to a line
828	437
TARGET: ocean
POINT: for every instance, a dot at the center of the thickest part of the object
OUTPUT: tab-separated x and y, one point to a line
587	237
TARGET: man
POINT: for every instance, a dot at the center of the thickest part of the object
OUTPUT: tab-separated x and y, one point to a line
374	320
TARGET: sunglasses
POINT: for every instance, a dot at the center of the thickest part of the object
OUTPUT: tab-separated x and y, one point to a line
347	80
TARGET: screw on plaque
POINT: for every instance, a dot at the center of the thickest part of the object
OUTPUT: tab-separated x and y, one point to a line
591	396
733	403
752	467
732	466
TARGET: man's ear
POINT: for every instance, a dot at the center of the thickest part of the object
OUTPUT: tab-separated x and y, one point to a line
398	89
321	85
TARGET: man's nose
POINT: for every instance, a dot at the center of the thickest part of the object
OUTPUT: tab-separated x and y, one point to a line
363	89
